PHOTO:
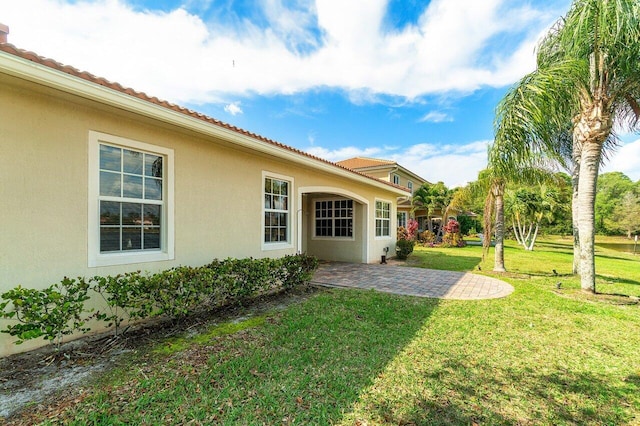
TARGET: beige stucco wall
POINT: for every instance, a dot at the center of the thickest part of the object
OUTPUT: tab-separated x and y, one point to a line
336	249
218	191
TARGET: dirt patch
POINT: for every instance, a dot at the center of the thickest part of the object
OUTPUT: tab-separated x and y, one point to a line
44	380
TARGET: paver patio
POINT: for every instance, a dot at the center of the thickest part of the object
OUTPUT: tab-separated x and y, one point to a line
411	281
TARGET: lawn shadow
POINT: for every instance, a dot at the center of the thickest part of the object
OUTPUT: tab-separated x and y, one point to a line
615	280
320	357
485	396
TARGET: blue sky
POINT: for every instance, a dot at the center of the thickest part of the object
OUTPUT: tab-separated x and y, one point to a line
412	81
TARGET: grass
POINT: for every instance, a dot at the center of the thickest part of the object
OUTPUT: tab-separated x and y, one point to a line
540	356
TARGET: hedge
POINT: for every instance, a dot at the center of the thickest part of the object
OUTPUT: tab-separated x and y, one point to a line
175	293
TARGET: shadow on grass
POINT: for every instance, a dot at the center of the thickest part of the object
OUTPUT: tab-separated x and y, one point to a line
489	397
611	280
306	365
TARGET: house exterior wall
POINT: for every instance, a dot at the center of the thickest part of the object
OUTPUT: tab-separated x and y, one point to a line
218	202
331	248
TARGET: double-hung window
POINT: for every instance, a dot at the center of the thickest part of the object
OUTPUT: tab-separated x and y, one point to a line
396	179
402	219
334	218
277	212
130	196
383	219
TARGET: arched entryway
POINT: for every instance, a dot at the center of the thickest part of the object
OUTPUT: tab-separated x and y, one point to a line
332	224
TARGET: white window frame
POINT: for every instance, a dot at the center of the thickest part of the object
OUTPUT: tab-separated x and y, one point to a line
395	178
406	218
410	186
333	218
376	219
167	242
290	231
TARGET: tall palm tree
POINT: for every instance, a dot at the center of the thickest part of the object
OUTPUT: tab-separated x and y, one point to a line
588	78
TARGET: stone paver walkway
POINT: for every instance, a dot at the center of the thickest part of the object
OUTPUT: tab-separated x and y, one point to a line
411	281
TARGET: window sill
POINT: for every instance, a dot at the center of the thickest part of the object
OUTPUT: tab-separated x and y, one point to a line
128	258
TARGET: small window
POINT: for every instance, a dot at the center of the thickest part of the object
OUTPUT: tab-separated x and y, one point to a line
410	186
276	210
396	179
402	219
334	218
383	219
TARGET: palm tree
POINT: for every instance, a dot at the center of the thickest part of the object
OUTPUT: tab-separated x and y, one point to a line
492	187
588	78
432	198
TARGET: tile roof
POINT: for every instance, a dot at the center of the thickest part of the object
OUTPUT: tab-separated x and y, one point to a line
67	69
363	162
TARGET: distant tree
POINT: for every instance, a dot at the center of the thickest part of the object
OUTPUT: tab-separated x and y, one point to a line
610	190
627	214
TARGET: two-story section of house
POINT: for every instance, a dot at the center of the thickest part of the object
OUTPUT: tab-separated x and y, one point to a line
392	172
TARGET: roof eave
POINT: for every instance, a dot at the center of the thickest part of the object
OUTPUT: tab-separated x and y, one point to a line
50	77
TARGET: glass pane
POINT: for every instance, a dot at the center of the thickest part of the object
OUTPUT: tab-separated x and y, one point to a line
131	214
279	202
283	234
267	235
151	238
110	158
132	186
274	234
153	165
109	239
284	187
268	201
282	219
267	219
153	189
110	184
151	215
276	186
132	238
109	213
267	186
133	162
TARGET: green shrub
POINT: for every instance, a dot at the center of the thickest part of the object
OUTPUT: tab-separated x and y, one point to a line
404	248
173	293
52	313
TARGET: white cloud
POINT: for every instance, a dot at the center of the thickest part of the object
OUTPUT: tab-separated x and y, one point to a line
436	117
626	159
233	108
345	152
323	43
455	165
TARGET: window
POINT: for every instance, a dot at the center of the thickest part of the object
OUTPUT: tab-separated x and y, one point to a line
402	219
410	186
396	179
334	218
277	205
130	195
383	214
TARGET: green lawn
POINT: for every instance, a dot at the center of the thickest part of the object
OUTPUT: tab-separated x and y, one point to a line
540	356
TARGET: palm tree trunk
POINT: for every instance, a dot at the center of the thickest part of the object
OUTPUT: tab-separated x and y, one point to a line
575	212
498	265
590	161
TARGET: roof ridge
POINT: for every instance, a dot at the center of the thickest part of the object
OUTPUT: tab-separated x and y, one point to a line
87	76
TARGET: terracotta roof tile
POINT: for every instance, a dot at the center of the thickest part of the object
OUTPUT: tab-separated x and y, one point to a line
363	162
67	69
